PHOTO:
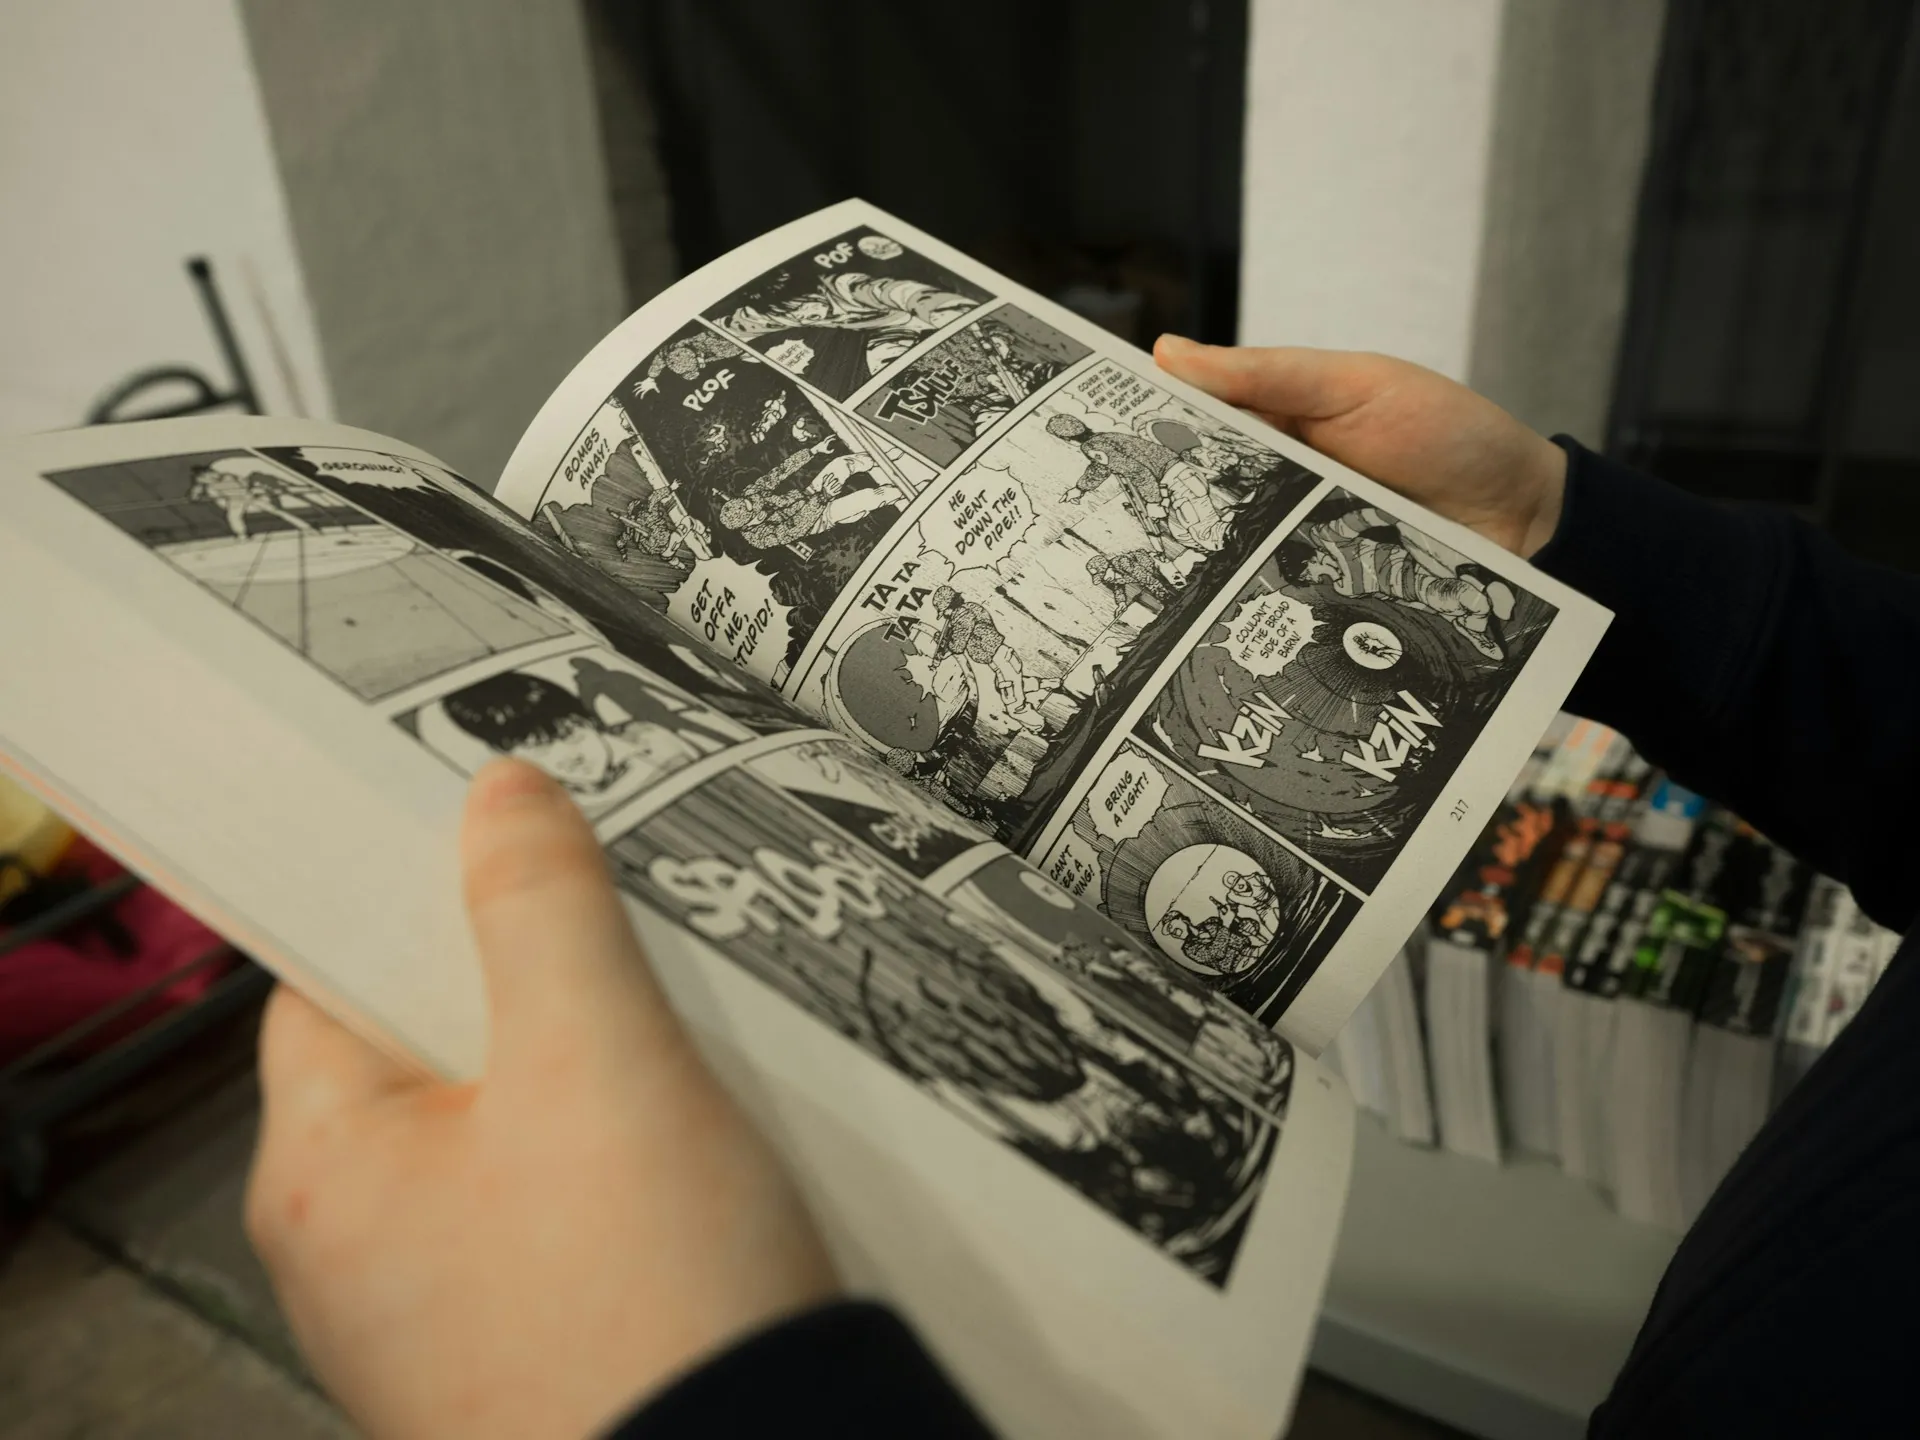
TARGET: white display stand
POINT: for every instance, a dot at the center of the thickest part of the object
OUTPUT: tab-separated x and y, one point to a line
1501	1300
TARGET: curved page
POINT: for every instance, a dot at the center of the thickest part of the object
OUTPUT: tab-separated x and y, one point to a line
1250	705
266	657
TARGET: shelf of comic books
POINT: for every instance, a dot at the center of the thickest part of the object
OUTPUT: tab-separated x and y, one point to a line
1616	990
1622	979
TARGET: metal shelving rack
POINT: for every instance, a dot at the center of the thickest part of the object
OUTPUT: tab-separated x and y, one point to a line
58	1078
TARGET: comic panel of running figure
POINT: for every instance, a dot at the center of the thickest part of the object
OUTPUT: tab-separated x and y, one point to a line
1093	957
1001	635
467	526
718	491
368	605
1192	881
1343	685
604	729
848	310
979	1025
958	391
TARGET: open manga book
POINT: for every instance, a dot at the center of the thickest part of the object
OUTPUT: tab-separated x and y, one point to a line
1019	766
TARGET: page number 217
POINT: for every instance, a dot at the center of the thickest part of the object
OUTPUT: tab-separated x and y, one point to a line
1459	810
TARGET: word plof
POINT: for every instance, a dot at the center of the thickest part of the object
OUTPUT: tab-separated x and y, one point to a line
701	394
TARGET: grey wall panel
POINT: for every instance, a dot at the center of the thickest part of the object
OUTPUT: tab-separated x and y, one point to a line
1572	104
444	174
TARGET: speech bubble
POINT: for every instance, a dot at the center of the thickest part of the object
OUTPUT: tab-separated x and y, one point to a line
979	520
1075	867
367	467
1126	796
729	608
586	459
1269	630
794	353
1114	391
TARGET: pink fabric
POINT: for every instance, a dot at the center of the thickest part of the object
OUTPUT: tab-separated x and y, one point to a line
48	985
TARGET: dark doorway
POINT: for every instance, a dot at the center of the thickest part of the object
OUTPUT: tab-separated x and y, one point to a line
1088	148
1772	344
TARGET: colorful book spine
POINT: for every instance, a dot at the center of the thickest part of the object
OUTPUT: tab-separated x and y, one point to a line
1747	990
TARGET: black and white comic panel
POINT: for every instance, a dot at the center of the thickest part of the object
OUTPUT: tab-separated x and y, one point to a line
1184	875
718	491
602	728
848	310
1339	690
1085	951
974	1022
838	780
959	390
1124	982
1004	633
369	605
449	515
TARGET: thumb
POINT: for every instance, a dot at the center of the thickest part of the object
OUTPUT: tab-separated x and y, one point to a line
1279	383
559	952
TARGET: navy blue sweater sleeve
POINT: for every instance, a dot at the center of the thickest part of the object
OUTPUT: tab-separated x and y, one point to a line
1758	663
850	1370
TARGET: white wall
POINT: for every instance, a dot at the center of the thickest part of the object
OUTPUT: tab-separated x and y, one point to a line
1368	125
406	206
131	136
1454	181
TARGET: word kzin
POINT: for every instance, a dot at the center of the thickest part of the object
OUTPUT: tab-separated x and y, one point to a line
1399	735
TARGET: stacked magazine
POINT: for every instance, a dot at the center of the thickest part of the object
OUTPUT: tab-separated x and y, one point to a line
1622	978
1018	764
1382	1055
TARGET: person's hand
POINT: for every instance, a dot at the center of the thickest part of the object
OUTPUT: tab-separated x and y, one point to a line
1416	432
530	1255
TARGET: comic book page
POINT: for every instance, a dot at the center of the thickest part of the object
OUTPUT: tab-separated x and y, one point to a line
1251	706
1051	1147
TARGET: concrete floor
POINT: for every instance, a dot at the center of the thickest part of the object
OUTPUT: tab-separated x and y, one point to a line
134	1310
88	1348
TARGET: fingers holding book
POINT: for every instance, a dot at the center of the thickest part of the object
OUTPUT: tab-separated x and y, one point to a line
544	1247
1416	431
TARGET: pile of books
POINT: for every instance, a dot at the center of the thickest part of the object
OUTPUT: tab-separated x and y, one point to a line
1622	978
